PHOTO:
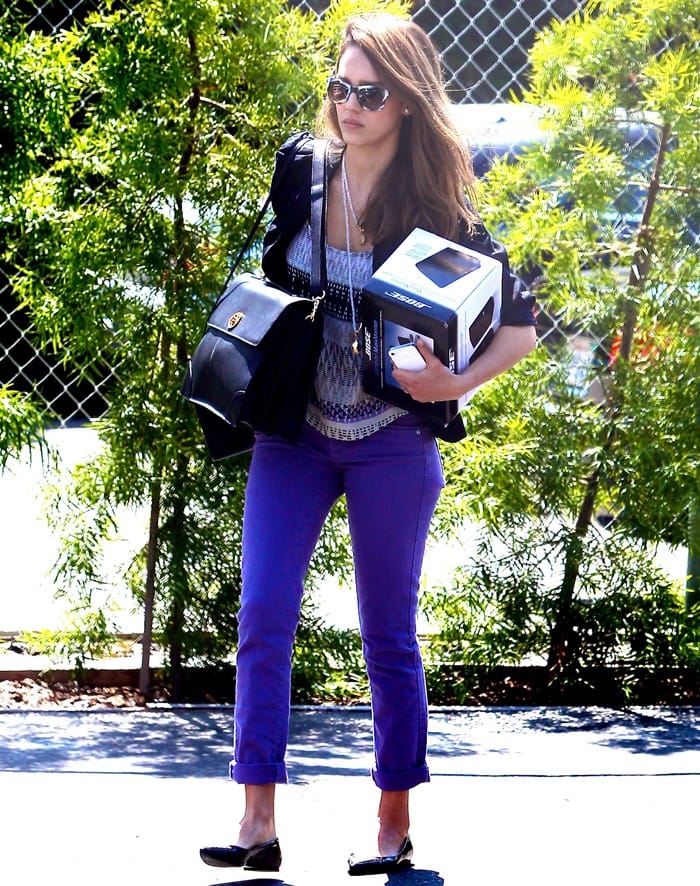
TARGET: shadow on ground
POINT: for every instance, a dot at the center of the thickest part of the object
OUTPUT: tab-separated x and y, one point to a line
414	877
191	743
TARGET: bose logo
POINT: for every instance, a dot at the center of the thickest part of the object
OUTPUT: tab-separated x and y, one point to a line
399	296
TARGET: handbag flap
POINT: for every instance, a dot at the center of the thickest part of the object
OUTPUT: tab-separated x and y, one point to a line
249	307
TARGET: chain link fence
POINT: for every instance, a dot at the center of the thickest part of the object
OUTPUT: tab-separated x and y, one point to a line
484	46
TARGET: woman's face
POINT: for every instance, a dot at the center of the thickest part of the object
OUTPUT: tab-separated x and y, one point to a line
361	128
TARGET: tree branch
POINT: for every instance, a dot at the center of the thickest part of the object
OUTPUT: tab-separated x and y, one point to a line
677	189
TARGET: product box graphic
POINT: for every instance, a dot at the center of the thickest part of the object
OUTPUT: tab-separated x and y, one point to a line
436	290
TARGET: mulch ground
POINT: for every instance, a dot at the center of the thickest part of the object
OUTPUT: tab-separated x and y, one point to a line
34	693
521	687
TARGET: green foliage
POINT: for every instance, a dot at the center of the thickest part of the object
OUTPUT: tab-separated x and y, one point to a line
541	460
500	608
21	426
624	61
85	636
657	468
489	613
135	151
328	665
37	102
153	171
529	442
137	147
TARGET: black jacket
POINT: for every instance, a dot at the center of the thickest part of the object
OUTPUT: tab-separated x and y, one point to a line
291	205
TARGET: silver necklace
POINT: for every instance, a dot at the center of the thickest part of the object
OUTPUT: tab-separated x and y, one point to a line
346	203
348	197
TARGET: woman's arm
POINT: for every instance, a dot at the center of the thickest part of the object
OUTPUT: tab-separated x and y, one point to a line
436	382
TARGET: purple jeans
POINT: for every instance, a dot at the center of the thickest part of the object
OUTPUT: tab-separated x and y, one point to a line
392	481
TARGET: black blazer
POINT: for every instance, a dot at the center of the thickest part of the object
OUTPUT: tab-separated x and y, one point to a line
291	205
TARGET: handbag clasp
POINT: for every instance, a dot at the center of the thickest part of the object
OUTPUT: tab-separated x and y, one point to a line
235	319
317	302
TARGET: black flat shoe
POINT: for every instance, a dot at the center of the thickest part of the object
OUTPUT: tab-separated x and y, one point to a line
383	864
263	857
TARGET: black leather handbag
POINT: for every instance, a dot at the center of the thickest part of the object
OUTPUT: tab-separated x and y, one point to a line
254	366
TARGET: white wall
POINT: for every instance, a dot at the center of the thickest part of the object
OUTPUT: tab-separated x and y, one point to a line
28	550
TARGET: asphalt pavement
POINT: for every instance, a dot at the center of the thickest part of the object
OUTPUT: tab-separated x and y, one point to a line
517	796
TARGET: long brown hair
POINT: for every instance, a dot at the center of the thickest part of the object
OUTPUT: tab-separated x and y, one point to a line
430	182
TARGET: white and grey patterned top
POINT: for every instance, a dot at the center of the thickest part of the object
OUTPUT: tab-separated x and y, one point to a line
339	408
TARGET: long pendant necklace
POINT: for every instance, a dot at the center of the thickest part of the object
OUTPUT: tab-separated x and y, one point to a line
347	196
346	202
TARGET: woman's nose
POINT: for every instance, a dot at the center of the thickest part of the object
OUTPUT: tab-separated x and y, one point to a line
354	98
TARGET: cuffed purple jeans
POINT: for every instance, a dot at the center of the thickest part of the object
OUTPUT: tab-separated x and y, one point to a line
392	481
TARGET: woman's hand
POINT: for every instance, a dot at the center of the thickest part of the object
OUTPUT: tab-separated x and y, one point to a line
436	382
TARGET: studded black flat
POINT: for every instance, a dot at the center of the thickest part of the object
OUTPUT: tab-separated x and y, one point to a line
383	864
262	857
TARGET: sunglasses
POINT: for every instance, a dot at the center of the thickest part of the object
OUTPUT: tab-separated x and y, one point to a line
371	96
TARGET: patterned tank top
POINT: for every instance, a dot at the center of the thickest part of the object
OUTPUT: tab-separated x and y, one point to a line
339	408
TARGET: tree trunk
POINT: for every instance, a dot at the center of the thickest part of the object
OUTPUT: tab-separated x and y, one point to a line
151	561
561	656
692	590
179	583
176	621
692	587
563	638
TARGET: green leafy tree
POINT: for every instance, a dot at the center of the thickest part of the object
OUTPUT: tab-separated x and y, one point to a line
21	425
141	143
21	419
541	461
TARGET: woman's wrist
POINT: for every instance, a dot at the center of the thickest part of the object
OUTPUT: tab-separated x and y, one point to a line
462	384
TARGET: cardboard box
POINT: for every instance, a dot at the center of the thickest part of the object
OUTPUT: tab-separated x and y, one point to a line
429	288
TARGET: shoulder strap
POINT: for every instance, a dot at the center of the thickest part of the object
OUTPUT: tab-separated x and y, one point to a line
319	175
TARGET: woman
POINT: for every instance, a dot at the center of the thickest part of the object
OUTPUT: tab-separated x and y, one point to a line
396	162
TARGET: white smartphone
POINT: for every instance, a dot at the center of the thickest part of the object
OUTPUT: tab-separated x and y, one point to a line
407	357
